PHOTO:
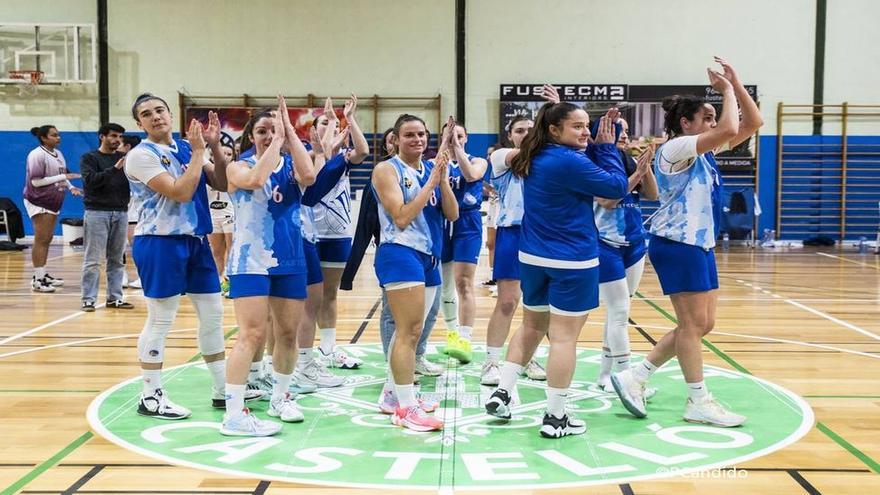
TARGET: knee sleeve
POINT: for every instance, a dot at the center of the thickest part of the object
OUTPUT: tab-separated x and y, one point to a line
615	296
209	308
634	276
449	300
160	317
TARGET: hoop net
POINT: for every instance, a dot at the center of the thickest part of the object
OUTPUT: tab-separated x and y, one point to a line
30	80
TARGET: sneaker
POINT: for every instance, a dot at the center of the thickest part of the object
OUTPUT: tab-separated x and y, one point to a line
301	388
224	287
262	385
631	392
135	284
415	419
286	410
709	411
338	358
554	427
491	374
218	398
124	279
490	282
608	388
245	424
535	371
427	368
119	304
458	348
498	404
158	406
88	306
317	375
493	291
41	285
54	282
388	403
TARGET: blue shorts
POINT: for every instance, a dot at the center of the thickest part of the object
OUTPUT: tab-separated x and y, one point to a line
563	291
170	265
506	261
334	253
613	261
682	267
396	263
286	286
313	263
463	244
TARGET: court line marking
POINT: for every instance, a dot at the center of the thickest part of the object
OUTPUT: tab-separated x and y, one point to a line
46	325
796	342
816	312
47	464
849	261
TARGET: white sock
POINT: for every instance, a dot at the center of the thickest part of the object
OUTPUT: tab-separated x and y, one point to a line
280	385
328	340
643	371
466	332
406	395
39	272
267	365
493	354
305	357
256	371
218	373
234	398
697	391
152	381
621	363
509	374
556	398
605	365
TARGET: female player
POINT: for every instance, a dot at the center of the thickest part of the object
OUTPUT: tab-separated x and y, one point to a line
683	233
222	220
46	179
558	249
266	266
411	215
463	240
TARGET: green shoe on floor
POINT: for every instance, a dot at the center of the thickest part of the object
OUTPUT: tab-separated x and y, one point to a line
458	348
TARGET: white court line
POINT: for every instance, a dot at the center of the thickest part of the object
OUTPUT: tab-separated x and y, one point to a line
795	342
816	312
849	261
87	341
46	325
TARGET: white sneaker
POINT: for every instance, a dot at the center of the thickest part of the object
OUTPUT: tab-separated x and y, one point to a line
709	411
55	282
554	427
158	406
245	424
124	279
218	397
491	374
135	284
631	392
286	410
427	368
42	285
338	358
535	371
317	375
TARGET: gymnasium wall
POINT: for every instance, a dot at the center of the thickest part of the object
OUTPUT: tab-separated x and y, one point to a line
406	48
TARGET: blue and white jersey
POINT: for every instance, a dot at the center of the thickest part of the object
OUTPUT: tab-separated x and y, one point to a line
557	227
468	194
690	199
425	233
307	216
333	212
159	215
621	225
509	189
266	239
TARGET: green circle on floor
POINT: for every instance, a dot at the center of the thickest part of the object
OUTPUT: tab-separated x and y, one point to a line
346	442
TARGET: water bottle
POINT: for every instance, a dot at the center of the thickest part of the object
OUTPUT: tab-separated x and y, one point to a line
863	245
767	240
725	241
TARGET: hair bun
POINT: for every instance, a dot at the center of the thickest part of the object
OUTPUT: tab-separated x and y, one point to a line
35	131
670	101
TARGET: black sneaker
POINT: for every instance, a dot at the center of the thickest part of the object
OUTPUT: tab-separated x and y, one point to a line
118	304
498	404
54	282
88	306
218	401
158	406
554	427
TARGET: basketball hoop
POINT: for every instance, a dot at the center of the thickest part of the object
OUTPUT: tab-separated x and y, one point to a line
30	79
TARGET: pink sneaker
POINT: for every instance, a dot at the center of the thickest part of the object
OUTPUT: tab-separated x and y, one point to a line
416	419
388	403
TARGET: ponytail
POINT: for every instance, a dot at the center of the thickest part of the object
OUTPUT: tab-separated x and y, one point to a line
539	135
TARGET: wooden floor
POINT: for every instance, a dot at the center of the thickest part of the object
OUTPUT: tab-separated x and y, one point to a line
804	319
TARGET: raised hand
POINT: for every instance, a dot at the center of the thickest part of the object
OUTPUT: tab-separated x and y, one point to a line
549	93
643	163
194	136
340	139
285	116
729	73
718	82
212	133
448	129
606	127
454	140
317	146
350	107
328	110
280	133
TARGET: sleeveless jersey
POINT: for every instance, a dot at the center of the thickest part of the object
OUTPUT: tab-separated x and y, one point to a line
621	225
332	214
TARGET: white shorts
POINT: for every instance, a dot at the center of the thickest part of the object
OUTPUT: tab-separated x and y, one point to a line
34	210
222	224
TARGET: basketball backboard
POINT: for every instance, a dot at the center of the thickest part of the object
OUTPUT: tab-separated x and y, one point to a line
65	53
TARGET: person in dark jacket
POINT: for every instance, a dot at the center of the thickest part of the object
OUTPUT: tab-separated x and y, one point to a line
106	218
